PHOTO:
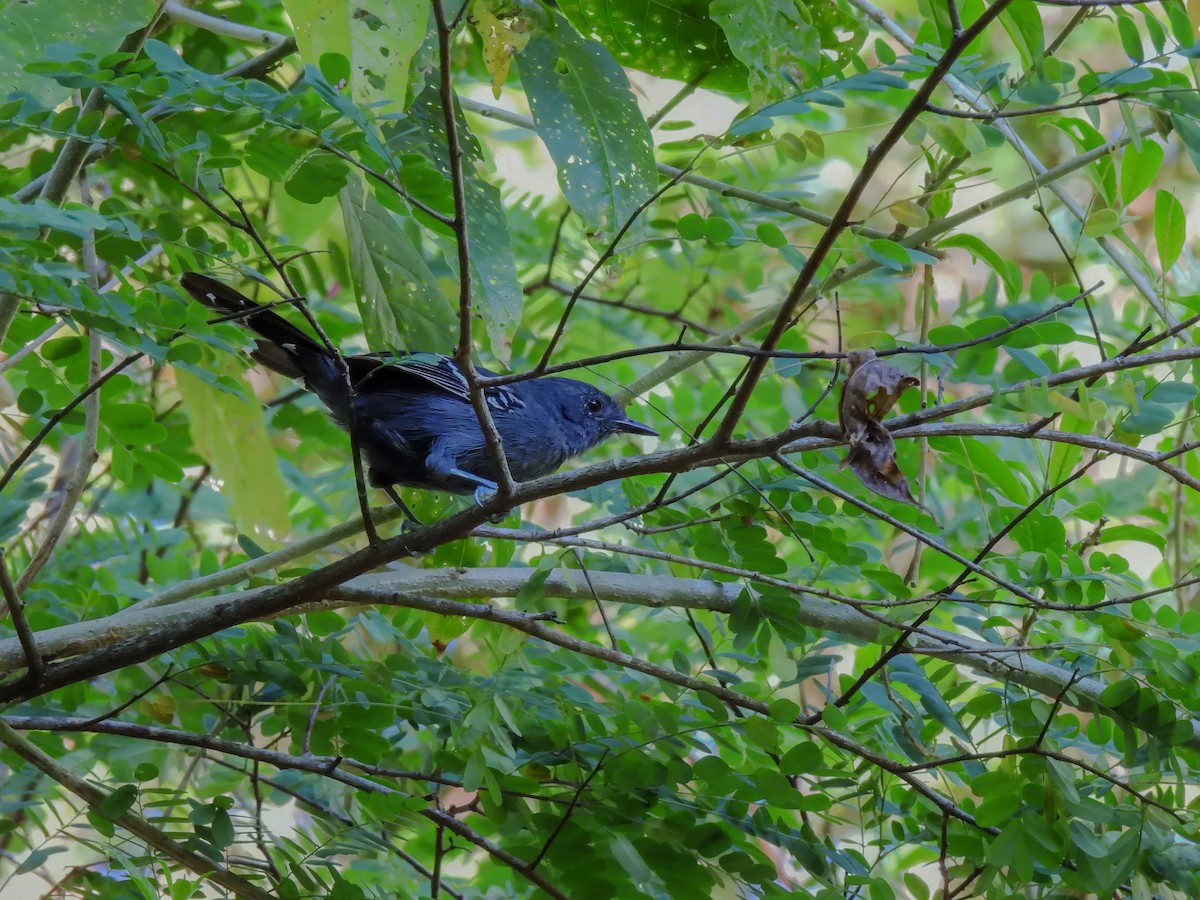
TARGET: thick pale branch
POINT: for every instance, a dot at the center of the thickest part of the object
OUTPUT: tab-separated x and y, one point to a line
216	25
153	631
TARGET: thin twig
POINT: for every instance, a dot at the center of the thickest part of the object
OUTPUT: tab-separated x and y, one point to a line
202	866
12	600
52	422
607	254
463	350
583	786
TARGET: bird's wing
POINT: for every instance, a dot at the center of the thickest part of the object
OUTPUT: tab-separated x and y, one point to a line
440	371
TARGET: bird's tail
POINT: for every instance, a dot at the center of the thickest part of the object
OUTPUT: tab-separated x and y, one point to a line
282	347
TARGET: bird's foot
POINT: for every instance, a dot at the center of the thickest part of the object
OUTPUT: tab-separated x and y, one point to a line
485	495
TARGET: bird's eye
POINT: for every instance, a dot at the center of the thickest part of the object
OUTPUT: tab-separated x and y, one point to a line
593	405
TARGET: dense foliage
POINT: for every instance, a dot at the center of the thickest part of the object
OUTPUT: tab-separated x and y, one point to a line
903	603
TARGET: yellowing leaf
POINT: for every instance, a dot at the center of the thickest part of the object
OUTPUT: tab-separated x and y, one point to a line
908	213
1065	404
229	433
814	142
162	709
503	38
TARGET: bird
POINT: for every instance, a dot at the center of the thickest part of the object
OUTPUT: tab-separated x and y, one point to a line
412	414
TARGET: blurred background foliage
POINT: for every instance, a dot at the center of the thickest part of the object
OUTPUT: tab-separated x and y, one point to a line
768	709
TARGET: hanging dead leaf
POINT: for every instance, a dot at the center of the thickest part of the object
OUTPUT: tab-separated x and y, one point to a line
869	393
504	35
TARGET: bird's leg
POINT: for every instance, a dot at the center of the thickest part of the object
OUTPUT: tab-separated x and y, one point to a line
484	490
444	463
408	513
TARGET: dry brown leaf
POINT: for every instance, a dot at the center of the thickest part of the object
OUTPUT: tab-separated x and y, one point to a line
869	393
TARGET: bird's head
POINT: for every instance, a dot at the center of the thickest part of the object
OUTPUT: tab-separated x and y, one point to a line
591	415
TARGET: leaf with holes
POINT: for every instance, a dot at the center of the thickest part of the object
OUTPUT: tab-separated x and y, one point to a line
588	118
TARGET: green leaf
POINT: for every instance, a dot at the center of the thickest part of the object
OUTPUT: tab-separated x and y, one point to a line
762	733
35	859
1148	418
904	669
1023	23
630	860
229	433
802	759
1131	39
948	334
1170	228
980	249
1008	850
401	305
1182	28
673	39
269	152
222	830
770	235
1029	361
1174	393
30	401
769	37
69	218
118	802
991	470
589	120
1065	456
62	348
29	29
717	229
890	255
1113	533
1119	693
692	227
1139	168
783	710
708	839
251	548
320	176
132	423
1102	222
998	808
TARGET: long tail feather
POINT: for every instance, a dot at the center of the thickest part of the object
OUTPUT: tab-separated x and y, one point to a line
282	347
284	343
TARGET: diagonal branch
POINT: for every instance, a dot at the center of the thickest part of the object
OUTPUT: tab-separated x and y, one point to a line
135	825
842	217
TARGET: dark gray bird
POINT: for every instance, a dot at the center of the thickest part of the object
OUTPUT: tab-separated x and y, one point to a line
412	414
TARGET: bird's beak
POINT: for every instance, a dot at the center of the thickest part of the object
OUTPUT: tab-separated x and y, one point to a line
628	426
